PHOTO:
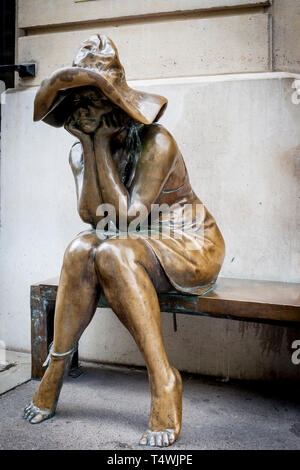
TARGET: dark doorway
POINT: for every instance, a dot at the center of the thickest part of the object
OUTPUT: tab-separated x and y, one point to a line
7	39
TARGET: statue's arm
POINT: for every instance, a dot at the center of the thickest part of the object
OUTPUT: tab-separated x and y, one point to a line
76	164
156	162
82	162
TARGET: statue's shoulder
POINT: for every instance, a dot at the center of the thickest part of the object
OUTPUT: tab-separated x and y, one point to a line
158	136
76	156
157	130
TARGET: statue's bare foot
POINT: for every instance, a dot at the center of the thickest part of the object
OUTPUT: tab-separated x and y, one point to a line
165	416
35	415
43	404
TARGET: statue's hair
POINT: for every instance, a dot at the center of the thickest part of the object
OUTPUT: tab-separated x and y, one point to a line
133	144
133	149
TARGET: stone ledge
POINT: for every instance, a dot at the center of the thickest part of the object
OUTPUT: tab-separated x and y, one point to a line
228	77
212	47
56	12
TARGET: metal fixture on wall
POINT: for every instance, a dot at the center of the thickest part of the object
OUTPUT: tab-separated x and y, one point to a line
24	70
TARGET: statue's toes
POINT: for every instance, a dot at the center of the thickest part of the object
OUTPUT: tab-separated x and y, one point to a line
31	415
152	439
148	438
37	418
27	410
158	438
144	438
171	436
35	415
166	440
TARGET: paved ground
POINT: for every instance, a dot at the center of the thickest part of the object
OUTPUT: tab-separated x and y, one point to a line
15	369
107	408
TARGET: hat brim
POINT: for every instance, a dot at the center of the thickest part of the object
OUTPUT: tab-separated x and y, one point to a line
50	103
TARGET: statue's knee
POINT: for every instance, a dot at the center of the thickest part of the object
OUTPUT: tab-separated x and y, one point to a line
112	258
79	252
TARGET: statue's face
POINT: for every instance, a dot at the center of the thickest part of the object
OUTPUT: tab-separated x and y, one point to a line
90	105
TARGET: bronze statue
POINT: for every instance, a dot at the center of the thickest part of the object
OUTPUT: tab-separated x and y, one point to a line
125	160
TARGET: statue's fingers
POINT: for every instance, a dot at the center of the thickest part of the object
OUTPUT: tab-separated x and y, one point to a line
70	121
67	122
116	121
112	120
104	122
109	121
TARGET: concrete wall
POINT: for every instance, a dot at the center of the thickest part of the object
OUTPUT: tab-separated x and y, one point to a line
242	152
286	35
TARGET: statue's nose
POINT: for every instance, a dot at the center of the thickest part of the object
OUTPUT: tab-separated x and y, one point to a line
83	110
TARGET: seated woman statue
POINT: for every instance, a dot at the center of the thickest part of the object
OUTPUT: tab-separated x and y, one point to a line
126	161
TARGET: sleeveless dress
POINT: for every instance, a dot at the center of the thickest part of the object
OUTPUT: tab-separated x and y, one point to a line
185	239
187	242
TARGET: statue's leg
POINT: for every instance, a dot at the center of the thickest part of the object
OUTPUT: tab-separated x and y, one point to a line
76	303
130	274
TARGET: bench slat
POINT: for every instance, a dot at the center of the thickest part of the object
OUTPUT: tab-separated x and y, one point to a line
237	299
240	299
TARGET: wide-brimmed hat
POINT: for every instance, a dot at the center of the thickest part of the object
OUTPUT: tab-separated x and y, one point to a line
96	64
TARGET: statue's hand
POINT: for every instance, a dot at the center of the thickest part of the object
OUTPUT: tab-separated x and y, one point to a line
109	125
72	128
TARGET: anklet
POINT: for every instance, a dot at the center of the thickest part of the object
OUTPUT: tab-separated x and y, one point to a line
59	356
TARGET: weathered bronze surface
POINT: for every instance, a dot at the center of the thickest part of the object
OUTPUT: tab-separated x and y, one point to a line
126	161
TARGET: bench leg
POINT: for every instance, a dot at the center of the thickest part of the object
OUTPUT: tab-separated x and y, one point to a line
42	321
39	332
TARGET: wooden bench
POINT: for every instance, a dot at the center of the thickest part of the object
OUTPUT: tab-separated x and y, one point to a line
236	299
